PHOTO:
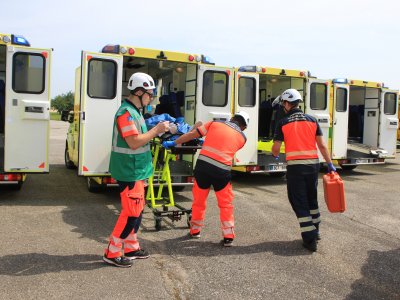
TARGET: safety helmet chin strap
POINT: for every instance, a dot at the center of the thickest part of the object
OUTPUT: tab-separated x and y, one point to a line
141	101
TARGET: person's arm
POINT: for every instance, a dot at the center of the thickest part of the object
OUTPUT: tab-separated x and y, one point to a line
276	148
191	135
136	141
323	148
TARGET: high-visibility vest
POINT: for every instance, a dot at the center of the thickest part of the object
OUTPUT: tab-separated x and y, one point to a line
299	132
127	164
223	140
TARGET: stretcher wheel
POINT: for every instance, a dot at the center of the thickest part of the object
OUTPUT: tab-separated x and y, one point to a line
157	223
189	218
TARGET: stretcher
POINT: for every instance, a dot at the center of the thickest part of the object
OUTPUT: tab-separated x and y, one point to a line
160	196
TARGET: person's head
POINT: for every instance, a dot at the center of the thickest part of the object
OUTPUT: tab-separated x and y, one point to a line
290	99
141	86
242	119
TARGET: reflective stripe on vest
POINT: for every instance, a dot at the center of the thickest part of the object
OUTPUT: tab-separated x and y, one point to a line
122	150
214	162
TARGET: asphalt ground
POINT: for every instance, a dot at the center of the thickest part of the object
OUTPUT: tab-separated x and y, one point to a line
53	232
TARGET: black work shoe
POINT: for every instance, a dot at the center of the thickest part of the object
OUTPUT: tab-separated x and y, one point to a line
311	245
196	235
121	261
140	254
227	242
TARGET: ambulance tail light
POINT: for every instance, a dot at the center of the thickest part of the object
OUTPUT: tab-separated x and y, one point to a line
190	179
10	177
19	40
340	80
207	60
248	69
109	180
110	49
252	168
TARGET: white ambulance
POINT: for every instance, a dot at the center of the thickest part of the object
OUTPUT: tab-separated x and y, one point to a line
364	124
198	90
255	89
24	109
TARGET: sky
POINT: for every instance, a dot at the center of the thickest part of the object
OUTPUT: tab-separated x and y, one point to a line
356	39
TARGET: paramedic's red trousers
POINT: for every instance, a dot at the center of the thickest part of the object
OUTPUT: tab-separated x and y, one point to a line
205	176
125	231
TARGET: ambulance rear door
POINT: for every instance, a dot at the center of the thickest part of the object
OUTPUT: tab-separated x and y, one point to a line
388	121
101	83
27	105
246	99
340	120
316	104
214	93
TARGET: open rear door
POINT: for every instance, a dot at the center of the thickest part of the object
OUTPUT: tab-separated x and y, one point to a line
340	120
101	82
214	93
388	121
317	105
246	99
27	105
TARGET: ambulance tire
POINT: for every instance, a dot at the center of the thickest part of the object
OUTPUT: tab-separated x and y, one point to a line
277	174
94	187
68	163
348	168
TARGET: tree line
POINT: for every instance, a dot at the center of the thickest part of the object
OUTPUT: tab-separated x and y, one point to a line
63	102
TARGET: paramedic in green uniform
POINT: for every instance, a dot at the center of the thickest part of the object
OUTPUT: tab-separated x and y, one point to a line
131	162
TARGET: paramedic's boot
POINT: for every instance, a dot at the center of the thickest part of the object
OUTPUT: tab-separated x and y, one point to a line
138	254
227	242
310	245
195	235
120	261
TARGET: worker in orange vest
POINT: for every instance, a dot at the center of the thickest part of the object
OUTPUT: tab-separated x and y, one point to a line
213	168
302	135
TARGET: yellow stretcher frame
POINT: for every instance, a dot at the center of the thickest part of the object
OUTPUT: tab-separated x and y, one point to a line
162	173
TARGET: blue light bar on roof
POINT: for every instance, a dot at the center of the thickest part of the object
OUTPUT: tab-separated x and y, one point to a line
207	60
248	69
110	49
340	80
19	40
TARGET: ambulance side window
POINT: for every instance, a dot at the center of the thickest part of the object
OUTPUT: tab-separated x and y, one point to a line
341	100
102	78
389	106
28	73
247	92
318	98
215	88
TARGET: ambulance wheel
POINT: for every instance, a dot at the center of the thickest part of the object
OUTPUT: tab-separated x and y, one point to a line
94	187
68	162
277	174
348	168
157	223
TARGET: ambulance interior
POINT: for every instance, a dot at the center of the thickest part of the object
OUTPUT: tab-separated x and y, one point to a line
363	115
270	87
175	82
2	102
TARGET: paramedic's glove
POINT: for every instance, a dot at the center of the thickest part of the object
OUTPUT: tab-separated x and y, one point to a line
201	142
276	157
168	144
331	168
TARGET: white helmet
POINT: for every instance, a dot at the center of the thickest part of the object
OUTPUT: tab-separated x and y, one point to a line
291	95
244	115
141	80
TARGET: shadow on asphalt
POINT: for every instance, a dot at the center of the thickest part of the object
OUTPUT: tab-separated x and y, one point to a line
38	263
381	277
185	246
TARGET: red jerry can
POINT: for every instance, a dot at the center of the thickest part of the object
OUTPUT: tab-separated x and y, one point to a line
334	192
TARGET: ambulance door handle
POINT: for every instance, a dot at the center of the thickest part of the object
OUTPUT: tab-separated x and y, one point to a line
334	123
83	115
